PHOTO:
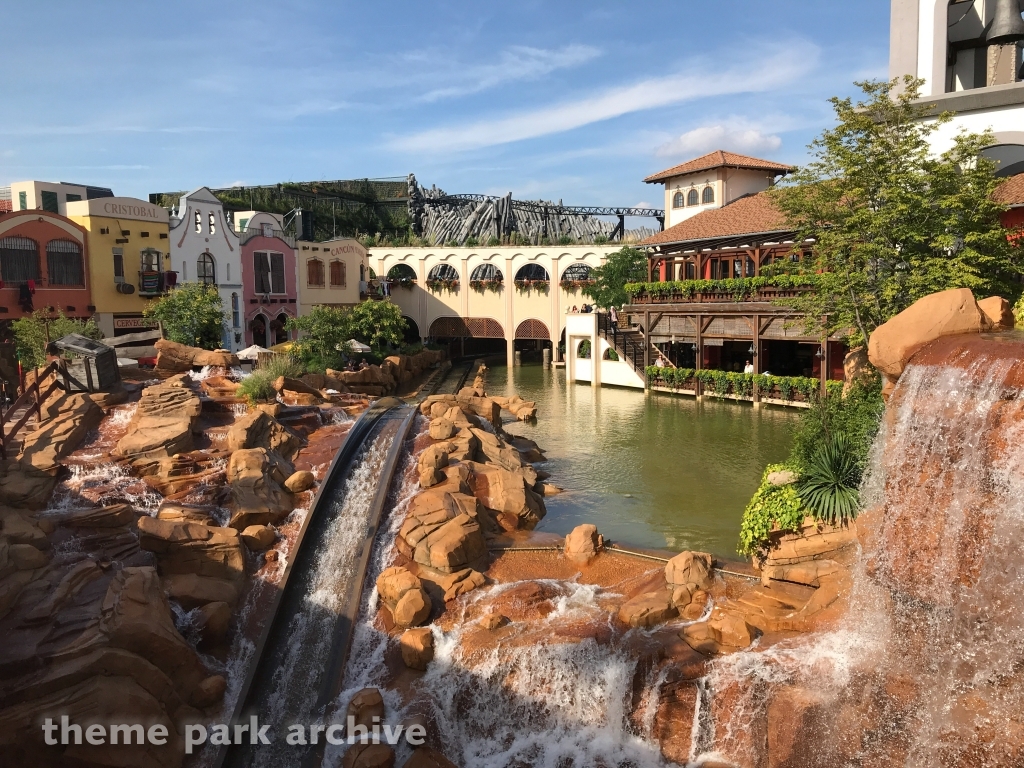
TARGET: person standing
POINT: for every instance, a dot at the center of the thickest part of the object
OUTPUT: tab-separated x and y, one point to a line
749	367
613	316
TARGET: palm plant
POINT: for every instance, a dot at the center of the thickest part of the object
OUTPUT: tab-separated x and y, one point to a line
829	482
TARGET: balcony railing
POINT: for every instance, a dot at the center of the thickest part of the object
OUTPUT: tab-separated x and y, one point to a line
721	291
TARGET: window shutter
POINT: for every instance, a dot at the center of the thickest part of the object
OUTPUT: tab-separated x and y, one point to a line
337	273
277	272
262	268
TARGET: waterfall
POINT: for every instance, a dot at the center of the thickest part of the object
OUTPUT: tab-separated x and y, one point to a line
925	667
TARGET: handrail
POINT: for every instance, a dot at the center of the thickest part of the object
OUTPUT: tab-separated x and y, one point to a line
30	399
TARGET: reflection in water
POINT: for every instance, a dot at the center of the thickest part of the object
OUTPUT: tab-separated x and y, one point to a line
652	470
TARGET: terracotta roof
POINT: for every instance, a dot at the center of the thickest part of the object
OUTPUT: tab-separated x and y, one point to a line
747	216
720	159
1011	191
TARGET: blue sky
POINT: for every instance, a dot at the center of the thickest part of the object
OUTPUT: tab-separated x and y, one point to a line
568	100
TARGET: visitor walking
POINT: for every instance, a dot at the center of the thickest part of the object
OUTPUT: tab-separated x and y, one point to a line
613	316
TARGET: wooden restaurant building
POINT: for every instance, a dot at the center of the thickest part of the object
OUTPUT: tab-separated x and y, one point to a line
699	308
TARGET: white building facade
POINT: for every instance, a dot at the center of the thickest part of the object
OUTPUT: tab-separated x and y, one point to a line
204	248
496	293
968	52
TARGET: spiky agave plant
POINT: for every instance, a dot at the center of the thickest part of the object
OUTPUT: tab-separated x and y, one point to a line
829	482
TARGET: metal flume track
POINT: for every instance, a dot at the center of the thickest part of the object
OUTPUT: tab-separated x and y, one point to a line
297	666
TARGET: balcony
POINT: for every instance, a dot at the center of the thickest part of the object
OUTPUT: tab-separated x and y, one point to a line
248	234
740	289
152	283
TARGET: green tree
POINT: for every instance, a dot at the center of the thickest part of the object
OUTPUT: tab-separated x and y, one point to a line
325	334
30	334
378	323
891	220
191	314
628	265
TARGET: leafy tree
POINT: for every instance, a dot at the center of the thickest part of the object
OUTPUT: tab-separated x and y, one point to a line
326	331
891	220
191	314
628	265
30	334
378	323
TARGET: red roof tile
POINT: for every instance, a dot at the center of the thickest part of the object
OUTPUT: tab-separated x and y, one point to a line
719	159
1011	191
748	215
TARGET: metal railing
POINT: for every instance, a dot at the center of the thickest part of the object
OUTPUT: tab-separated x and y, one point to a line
623	342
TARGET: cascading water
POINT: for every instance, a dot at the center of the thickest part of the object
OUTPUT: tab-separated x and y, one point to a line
925	668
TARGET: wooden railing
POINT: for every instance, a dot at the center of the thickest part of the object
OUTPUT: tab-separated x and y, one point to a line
715	297
31	400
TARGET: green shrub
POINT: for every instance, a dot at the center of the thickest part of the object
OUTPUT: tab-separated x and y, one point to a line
282	365
258	387
829	481
856	416
494	242
771	507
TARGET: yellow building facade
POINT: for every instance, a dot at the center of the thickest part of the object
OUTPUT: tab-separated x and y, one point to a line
330	273
129	262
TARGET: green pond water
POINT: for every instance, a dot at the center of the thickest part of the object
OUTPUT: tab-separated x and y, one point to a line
651	470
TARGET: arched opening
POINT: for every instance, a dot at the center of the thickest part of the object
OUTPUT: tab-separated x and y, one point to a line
486	272
532	337
708	196
677	200
278	327
583	350
402	273
1009	158
411	333
575	276
467	336
443	272
64	263
532	272
610	355
692	197
206	269
19	260
259	326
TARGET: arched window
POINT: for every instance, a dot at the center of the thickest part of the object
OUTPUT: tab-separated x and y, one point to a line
1009	158
19	260
708	195
206	269
339	274
443	272
579	271
315	273
677	200
401	272
692	198
234	310
213	225
64	263
486	272
278	326
199	222
532	272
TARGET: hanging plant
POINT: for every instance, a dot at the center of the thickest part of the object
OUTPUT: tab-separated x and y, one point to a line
405	283
526	286
493	285
573	286
448	285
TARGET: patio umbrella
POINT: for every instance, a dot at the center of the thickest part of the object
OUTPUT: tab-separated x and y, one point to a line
250	353
358	346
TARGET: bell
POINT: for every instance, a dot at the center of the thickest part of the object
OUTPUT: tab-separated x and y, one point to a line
1007	25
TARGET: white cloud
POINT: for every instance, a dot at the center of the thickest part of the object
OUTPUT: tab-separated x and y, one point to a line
729	136
518	62
758	73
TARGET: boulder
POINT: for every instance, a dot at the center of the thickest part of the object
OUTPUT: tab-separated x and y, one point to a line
412	609
25	486
395	582
162	423
493	620
782	477
72	418
648	609
484	407
192	590
210	691
369	756
510	492
300	481
547	489
723	632
945	313
258	537
364	706
998	312
814	541
287	384
441	429
257	498
258	429
689	568
172	356
417	647
433	457
217	358
583	543
25	557
214	621
203	550
451	585
856	368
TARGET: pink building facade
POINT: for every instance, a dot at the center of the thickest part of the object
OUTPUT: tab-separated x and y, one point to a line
269	290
